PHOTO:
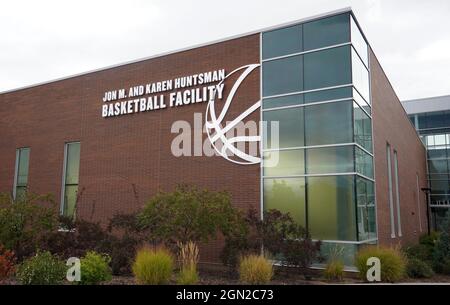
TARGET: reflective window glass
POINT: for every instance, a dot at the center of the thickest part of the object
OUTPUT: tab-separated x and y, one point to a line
326	32
282	42
290	128
283	76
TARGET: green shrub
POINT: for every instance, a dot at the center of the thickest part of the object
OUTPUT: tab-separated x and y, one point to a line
153	267
25	221
421	252
441	253
255	269
334	270
42	269
393	263
95	268
188	257
187	276
429	240
416	268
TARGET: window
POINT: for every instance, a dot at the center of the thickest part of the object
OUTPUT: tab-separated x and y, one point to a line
21	175
328	95
283	101
363	128
282	42
70	179
329	123
365	202
286	195
290	128
326	32
326	160
391	196
284	163
364	163
419	216
283	76
397	194
327	68
331	208
359	43
360	76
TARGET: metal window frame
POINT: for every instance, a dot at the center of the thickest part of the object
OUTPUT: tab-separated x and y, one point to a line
397	194
63	180
390	189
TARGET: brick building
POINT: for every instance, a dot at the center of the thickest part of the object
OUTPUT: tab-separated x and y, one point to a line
349	167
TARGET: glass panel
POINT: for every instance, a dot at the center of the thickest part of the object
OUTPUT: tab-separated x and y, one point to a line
440	186
348	251
327	68
73	163
331	208
329	123
364	163
362	102
24	158
289	100
437	153
21	192
282	42
439	217
328	95
438	166
326	32
359	43
284	163
283	76
70	198
365	202
360	76
286	195
290	128
327	160
363	128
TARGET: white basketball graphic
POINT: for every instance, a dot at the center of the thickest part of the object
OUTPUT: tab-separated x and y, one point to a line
214	124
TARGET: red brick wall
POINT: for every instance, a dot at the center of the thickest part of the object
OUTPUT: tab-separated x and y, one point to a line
127	152
391	125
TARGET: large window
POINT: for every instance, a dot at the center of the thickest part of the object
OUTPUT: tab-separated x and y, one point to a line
390	191
283	75
363	128
326	32
359	43
325	160
287	195
364	163
360	76
327	68
365	202
290	128
331	208
397	194
284	163
70	179
21	177
282	42
329	123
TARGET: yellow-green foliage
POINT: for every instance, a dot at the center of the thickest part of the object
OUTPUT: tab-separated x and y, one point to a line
255	269
393	263
334	270
153	266
188	257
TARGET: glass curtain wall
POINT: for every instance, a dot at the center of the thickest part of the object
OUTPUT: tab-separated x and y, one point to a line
315	85
434	128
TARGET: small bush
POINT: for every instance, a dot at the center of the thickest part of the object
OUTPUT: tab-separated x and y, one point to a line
255	269
7	262
334	271
95	269
421	252
429	240
393	264
441	252
42	269
153	267
187	276
188	257
416	268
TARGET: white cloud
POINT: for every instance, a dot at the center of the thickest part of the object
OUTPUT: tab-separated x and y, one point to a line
47	39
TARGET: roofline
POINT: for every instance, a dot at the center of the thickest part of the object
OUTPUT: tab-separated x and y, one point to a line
426	98
302	20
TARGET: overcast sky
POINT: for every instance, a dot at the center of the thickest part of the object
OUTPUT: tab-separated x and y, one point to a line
43	40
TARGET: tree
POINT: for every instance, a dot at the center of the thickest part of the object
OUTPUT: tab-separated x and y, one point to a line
186	214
